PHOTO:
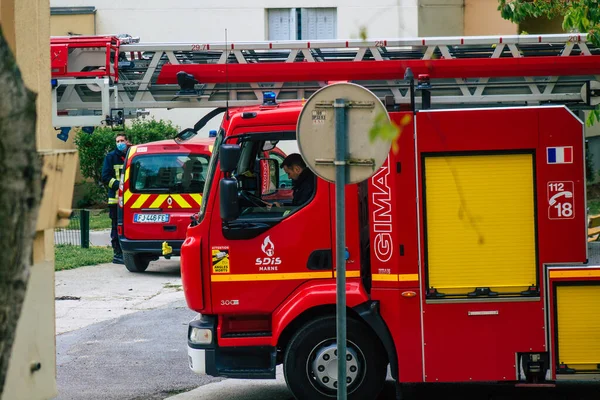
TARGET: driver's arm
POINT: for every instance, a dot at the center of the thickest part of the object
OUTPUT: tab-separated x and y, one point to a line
273	204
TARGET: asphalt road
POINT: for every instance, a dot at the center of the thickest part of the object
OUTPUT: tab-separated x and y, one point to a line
137	356
123	336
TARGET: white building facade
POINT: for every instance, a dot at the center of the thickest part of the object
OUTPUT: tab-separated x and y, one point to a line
202	20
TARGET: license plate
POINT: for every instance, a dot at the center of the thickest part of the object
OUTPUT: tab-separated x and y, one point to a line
157	218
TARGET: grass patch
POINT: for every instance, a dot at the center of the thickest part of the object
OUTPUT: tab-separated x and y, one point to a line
99	219
69	257
593	198
594	206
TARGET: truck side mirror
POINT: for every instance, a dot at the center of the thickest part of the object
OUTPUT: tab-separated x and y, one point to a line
230	206
269	176
229	156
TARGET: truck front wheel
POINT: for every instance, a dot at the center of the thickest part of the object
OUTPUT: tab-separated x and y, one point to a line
310	363
135	262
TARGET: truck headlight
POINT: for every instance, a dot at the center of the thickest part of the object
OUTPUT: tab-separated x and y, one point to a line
200	335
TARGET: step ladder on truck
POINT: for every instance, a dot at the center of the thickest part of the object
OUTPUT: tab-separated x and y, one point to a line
467	256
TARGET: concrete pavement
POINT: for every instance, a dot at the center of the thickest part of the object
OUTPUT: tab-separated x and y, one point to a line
72	237
100	238
240	389
88	295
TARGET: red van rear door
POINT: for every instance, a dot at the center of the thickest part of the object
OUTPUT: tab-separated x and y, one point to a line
161	192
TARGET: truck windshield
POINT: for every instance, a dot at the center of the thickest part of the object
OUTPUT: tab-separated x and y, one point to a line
168	173
210	173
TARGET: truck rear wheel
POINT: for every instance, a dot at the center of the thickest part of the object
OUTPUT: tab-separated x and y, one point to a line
135	262
310	363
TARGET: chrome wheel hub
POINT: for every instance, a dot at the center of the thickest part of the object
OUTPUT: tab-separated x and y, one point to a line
325	370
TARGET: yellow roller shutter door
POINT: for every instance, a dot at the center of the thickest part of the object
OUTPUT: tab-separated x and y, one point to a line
578	312
480	222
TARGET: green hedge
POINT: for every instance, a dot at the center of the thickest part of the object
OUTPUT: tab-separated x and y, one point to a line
93	147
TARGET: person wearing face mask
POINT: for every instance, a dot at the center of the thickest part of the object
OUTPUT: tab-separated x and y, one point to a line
111	173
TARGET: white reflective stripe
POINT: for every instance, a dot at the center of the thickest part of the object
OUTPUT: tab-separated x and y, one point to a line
111	182
491	312
197	360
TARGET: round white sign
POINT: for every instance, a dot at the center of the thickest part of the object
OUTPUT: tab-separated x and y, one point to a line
316	132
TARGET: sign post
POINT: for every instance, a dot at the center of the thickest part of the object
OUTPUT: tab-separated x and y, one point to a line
340	243
336	121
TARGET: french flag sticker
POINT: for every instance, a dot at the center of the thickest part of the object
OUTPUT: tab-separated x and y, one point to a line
560	155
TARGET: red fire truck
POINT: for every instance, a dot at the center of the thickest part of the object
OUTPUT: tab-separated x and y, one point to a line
456	251
466	252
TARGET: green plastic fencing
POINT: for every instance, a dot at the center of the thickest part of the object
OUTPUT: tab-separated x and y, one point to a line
77	233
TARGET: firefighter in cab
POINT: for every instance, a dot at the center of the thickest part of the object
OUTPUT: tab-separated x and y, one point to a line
111	175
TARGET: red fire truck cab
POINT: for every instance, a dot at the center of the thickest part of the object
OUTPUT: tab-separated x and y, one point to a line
452	250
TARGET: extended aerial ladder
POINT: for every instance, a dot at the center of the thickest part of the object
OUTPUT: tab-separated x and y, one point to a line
101	80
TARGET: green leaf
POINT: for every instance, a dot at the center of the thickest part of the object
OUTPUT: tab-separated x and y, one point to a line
594	35
383	129
593	116
386	130
567	23
362	33
585	24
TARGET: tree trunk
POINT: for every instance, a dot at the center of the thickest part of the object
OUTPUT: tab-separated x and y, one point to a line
20	193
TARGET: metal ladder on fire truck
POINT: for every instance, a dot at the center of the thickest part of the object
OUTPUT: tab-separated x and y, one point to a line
101	80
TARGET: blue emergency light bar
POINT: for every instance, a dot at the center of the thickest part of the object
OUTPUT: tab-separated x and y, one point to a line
269	99
212	133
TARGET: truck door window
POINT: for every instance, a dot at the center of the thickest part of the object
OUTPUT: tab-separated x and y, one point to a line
284	181
259	199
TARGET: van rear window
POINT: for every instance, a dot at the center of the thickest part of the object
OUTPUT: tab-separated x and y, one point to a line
168	173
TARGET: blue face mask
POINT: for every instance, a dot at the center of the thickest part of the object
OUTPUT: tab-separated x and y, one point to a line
122	146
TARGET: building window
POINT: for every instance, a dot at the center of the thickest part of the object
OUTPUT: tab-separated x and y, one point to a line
302	23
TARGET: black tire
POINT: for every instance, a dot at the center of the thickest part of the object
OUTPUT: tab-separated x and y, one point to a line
135	262
313	341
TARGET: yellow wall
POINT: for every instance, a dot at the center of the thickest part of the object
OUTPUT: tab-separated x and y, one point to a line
7	10
483	18
32	39
73	24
